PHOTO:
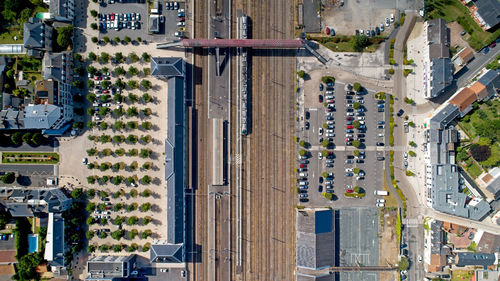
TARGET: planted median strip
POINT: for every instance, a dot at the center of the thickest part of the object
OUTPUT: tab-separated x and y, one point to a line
30	158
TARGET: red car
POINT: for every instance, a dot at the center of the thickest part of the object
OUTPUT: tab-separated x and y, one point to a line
349	126
320	98
303	165
493	45
327	31
349	191
105	91
181	19
349	118
330	101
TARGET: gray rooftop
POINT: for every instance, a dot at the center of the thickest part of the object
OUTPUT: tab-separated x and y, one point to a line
37	35
315	239
166	67
57	66
62	10
108	267
441	119
442	75
442	145
154	24
437	237
41	116
482	259
54	248
491	80
175	159
166	253
438	36
20	201
11	118
447	198
494	187
311	277
489	10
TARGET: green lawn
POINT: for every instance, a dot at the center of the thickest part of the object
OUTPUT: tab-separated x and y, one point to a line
461	275
8	37
30	158
345	43
474	170
453	10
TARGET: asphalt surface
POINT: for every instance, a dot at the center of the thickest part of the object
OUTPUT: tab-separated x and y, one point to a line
311	20
413	236
120	8
371	166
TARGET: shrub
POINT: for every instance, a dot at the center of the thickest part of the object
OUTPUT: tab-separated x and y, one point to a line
407	71
409	173
132	207
146	179
327	195
301	73
357	87
146	220
391	71
145	207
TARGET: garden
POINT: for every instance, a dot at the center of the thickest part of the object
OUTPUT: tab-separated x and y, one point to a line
479	150
30	158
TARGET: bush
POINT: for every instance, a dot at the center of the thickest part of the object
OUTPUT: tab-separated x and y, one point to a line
403	263
325	143
145	207
411	153
328	79
409	173
302	152
357	87
356	143
8	178
391	71
327	195
407	71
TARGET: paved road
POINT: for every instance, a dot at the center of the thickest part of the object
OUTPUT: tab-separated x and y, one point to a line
480	61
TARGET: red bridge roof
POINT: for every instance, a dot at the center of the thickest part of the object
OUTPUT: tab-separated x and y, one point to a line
243	43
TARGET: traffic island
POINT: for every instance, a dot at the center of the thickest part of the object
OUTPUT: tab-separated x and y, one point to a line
41	158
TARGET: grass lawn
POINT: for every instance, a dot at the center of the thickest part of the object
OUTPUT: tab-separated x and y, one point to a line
460	275
390	201
453	10
345	43
30	158
474	170
8	37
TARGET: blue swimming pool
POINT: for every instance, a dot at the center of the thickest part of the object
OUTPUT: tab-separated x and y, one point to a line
32	243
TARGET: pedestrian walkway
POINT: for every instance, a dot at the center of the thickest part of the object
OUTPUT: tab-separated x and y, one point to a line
370	148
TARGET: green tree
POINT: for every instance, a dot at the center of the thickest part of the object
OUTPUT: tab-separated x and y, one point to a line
8	178
356	189
146	57
146	84
133	97
356	86
133	57
146	179
104	58
146	97
91	193
93	13
356	124
133	192
118	220
356	143
360	42
132	111
146	220
65	36
356	105
127	39
301	73
106	39
117	39
146	233
356	153
325	143
120	71
133	233
27	137
302	152
77	194
92	57
132	220
356	170
118	234
94	27
132	71
17	138
145	207
132	207
37	139
146	193
403	263
132	84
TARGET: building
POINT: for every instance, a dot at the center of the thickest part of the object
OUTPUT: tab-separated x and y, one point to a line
437	64
464	100
490	79
154	23
486	13
173	69
55	245
489	243
463	57
315	244
475	259
110	267
311	277
37	37
62	10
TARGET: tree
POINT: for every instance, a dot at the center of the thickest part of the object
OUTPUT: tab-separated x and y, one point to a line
146	233
105	39
356	189
356	86
8	178
118	98
145	153
120	71
328	79
90	234
146	57
133	233
93	13
356	153
127	39
118	234
403	264
118	220
65	36
90	69
146	193
133	97
145	207
92	56
103	167
412	143
133	57
146	97
325	153
118	125
26	137
146	220
325	143
356	124
409	173
301	74
412	153
133	152
103	125
411	124
132	71
408	100
91	220
480	152
302	152
132	84
94	27
356	105
139	39
78	70
147	111
91	179
146	179
132	207
37	139
17	138
146	84
356	143
117	39
104	58
360	42
132	111
132	220
356	170
77	193
133	192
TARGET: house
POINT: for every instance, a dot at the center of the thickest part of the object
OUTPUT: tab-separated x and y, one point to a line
475	259
465	55
37	37
464	100
489	243
110	267
62	10
438	65
490	79
492	182
486	13
55	245
315	244
173	69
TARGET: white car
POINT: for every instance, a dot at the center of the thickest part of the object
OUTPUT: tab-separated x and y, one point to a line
181	23
330	131
392	17
387	22
380	200
348	186
361	118
380	205
348	170
349	114
330	122
85	161
320	156
406	155
320	131
330	135
381	135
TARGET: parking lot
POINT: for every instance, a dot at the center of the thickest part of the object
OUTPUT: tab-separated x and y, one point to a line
168	21
337	173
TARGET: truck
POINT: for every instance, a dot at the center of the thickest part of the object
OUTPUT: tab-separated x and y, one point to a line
381	192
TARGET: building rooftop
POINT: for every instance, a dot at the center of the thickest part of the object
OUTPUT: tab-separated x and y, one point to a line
57	66
489	11
442	75
489	243
491	81
41	116
315	239
438	37
166	253
54	247
167	67
442	118
37	35
154	24
46	92
109	267
312	277
466	54
468	258
464	98
26	202
62	10
447	198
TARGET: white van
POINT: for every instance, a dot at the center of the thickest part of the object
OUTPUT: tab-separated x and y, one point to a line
302	174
